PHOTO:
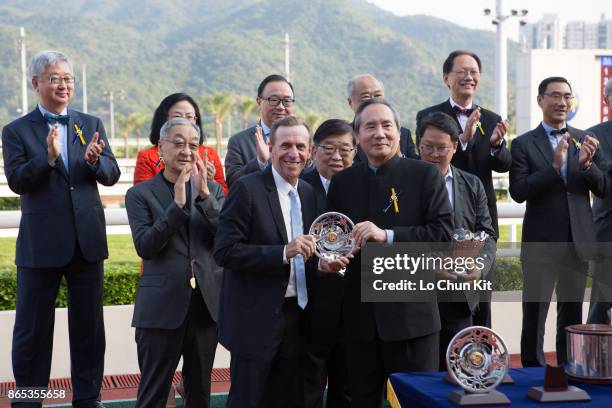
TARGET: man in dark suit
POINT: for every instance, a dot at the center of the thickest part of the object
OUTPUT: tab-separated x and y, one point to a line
247	151
601	292
53	158
363	87
554	168
482	148
439	140
262	246
383	338
334	150
174	218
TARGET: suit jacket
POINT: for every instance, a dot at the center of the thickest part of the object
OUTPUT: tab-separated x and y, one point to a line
602	207
556	212
424	216
59	209
406	147
326	290
477	158
161	239
241	156
249	245
470	212
148	164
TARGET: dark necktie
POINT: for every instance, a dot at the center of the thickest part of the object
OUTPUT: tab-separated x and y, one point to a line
53	119
556	132
460	111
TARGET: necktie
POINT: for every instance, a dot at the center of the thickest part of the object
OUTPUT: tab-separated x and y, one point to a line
460	111
556	132
298	261
53	119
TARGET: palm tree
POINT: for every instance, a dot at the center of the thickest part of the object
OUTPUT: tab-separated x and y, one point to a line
246	107
220	105
134	122
313	120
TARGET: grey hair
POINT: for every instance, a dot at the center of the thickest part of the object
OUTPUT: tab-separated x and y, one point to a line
165	129
43	59
374	101
608	88
350	87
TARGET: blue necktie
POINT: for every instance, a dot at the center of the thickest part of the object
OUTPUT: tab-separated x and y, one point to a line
53	119
298	261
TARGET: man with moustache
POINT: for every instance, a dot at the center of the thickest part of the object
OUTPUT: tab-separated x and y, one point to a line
364	87
383	338
438	143
482	148
54	158
247	151
555	167
333	151
262	245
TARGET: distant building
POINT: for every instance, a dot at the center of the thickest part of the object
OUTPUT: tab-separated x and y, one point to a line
551	33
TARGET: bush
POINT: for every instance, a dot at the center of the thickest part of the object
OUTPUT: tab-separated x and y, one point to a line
507	274
9	203
120	284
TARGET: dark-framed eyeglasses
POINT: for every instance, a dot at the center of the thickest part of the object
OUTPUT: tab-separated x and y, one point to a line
275	101
329	150
428	149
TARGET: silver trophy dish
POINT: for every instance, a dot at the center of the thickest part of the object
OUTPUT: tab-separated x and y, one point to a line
477	359
332	232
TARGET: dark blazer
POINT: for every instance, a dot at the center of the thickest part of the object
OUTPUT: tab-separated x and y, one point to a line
313	178
602	208
406	147
59	209
249	245
556	212
241	156
160	236
424	216
477	158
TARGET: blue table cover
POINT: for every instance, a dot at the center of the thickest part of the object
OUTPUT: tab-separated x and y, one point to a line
430	390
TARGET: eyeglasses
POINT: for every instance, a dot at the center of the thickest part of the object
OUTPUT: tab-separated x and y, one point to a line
329	150
556	96
56	80
178	145
188	116
275	101
443	150
464	73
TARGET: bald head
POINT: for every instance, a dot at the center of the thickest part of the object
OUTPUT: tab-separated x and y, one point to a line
362	88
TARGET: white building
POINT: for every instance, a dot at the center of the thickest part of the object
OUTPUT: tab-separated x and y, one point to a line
551	33
582	68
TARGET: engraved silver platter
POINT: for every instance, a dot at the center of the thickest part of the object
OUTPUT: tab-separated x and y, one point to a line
332	231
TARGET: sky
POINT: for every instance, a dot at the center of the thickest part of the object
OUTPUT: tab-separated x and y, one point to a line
473	15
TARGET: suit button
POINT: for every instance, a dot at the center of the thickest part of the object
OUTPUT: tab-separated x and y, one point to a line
71	188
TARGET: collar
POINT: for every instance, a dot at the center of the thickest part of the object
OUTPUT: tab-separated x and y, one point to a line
264	127
453	103
449	174
549	128
324	181
385	166
43	110
282	185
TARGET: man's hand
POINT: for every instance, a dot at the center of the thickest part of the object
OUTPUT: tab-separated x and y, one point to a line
94	149
560	154
499	132
368	231
588	148
180	194
303	245
335	266
210	166
471	275
54	146
200	172
263	151
470	127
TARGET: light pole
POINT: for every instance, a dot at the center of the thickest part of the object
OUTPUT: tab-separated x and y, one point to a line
501	55
287	60
24	79
111	100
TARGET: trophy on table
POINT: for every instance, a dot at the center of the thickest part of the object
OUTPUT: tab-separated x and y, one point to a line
332	232
477	359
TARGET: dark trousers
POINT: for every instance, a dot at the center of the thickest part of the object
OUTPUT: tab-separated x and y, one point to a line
454	317
601	293
35	317
274	378
159	352
371	362
539	279
327	366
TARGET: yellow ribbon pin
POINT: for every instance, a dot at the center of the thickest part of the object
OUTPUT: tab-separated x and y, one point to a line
480	127
394	199
79	132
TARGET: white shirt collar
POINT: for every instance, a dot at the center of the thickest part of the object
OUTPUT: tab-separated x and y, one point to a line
282	185
449	174
453	104
325	182
43	110
264	127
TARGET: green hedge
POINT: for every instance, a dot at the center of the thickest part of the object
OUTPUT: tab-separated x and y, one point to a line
120	283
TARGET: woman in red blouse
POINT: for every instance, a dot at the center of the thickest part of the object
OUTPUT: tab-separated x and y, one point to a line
178	105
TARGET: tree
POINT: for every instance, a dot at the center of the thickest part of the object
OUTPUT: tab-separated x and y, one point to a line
246	107
134	122
313	120
220	105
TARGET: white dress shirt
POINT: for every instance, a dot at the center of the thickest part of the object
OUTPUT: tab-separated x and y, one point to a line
448	181
325	183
